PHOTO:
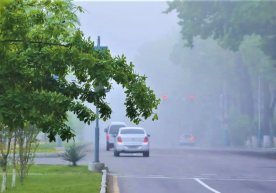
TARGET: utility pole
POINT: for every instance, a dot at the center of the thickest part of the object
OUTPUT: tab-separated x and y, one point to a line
97	138
96	165
259	137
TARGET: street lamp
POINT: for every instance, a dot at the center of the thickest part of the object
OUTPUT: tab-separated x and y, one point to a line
96	165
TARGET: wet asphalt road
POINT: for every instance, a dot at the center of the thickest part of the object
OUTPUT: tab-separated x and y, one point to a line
192	171
187	171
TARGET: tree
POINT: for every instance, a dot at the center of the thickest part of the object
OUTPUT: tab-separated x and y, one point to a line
230	23
27	144
41	45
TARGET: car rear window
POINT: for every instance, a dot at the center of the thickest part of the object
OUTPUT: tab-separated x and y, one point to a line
132	131
114	129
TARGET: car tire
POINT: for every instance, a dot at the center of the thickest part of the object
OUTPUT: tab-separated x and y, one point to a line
116	153
146	154
107	147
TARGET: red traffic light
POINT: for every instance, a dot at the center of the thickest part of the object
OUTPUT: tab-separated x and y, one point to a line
164	97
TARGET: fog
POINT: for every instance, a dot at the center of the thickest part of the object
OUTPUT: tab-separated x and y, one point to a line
193	85
129	28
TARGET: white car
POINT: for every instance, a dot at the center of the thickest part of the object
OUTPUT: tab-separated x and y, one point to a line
132	140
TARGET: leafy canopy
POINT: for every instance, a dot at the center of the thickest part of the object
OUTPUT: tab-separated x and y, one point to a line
40	46
228	22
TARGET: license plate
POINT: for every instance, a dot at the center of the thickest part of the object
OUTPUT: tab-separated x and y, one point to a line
133	147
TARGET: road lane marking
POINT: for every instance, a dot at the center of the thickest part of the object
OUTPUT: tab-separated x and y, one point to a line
115	185
206	186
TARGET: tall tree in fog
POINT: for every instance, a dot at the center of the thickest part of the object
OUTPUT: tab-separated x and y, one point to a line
229	23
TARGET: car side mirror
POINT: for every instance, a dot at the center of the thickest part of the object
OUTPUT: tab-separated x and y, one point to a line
148	135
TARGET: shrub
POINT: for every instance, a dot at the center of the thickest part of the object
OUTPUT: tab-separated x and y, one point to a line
74	153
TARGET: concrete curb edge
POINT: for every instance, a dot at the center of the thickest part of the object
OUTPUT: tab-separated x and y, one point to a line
104	181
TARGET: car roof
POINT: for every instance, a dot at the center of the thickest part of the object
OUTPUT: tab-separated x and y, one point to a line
141	128
117	123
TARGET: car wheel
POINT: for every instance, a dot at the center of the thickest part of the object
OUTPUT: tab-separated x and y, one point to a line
107	147
116	153
146	154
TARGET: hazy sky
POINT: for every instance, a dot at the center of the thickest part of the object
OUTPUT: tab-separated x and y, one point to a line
125	27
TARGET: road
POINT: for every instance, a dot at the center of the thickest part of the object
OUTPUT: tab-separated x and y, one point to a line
192	171
186	171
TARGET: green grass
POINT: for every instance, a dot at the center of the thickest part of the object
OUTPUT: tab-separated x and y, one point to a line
58	179
47	148
50	147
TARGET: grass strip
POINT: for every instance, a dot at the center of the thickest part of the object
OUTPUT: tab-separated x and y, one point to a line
58	179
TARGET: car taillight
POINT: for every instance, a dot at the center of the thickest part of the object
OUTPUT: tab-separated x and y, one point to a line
146	140
119	139
192	138
107	137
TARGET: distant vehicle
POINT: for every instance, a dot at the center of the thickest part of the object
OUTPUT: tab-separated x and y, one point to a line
187	139
132	140
111	133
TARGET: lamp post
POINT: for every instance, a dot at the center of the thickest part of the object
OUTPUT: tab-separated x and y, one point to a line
96	165
259	131
97	138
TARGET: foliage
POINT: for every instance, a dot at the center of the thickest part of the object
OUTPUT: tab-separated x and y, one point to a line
59	179
228	22
74	153
246	27
41	45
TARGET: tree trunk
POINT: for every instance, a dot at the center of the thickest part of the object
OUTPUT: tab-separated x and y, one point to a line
4	177
271	126
14	162
5	141
246	93
13	177
268	114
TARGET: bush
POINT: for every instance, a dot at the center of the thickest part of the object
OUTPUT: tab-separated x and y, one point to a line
74	153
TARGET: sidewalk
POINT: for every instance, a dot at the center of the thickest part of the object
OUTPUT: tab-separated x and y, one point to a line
264	152
260	152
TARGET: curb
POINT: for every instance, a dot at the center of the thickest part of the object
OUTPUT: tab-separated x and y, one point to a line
48	155
266	153
104	182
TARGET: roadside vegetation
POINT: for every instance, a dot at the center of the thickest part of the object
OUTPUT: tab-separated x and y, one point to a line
59	179
74	153
47	148
227	53
48	67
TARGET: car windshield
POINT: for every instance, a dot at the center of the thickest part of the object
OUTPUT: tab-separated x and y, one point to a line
132	131
114	129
